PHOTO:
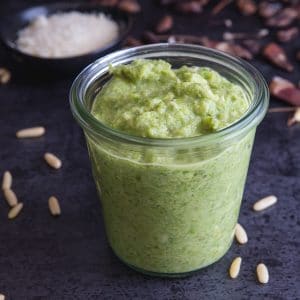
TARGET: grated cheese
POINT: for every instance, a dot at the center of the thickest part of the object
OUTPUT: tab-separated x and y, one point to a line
67	34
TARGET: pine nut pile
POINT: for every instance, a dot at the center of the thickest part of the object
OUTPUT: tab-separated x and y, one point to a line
241	236
10	196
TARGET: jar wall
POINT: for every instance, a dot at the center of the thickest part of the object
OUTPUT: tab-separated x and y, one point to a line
170	206
170	217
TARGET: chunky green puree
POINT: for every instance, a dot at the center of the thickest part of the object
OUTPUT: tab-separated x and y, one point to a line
169	210
150	99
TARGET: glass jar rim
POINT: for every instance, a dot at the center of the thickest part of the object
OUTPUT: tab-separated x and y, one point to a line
93	71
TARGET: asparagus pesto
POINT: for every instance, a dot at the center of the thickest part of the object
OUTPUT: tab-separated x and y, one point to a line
150	99
167	210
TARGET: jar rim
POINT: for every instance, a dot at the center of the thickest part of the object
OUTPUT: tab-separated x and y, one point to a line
99	68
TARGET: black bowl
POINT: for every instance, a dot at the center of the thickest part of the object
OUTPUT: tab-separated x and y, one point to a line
10	25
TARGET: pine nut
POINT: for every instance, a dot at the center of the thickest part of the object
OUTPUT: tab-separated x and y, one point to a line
54	206
10	197
7	180
4	76
262	273
15	211
264	203
235	267
31	132
52	160
2	297
240	234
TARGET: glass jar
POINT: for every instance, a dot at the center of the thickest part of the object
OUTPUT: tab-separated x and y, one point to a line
170	206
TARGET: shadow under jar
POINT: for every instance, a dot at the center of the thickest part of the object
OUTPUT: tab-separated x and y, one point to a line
170	206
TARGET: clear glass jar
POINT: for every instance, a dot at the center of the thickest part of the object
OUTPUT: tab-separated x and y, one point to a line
170	206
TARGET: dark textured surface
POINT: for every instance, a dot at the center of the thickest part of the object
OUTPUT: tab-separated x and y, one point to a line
68	257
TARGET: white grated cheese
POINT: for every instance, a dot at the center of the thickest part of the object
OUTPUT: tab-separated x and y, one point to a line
67	34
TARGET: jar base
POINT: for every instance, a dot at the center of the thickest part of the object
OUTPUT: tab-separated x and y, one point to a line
163	275
171	275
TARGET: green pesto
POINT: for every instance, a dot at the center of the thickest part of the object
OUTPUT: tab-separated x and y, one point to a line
150	99
169	211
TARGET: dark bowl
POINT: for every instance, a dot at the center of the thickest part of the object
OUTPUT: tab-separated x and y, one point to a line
10	25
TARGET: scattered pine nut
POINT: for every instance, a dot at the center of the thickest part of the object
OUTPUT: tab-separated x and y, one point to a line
4	76
10	197
235	267
15	211
262	273
31	132
2	297
54	206
264	203
52	160
7	180
240	234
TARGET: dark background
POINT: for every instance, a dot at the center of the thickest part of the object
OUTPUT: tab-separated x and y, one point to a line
68	258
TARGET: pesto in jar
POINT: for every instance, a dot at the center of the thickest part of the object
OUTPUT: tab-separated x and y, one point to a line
169	211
